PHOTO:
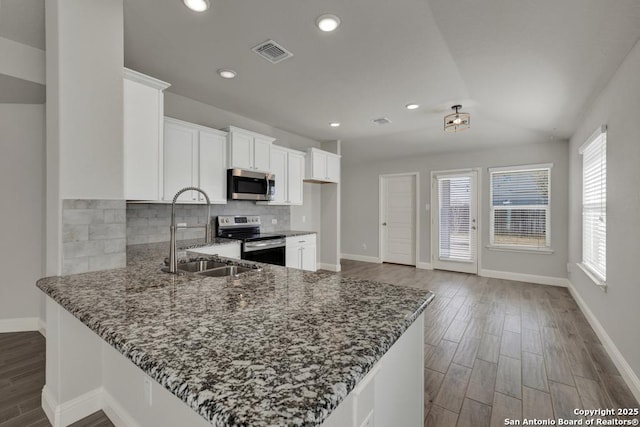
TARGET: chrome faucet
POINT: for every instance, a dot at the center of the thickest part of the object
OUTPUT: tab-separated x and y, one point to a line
173	258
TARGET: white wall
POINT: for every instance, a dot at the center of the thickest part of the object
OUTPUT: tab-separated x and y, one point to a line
360	203
618	106
22	215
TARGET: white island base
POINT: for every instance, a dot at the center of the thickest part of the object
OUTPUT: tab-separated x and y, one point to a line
85	374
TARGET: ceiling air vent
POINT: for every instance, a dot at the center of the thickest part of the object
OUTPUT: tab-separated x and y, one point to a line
272	51
382	121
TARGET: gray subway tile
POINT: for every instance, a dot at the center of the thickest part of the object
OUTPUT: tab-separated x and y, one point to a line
75	232
107	231
75	265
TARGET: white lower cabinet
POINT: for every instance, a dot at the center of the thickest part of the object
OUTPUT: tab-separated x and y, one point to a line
194	156
301	252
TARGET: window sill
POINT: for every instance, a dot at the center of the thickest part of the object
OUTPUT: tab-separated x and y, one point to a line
540	251
596	281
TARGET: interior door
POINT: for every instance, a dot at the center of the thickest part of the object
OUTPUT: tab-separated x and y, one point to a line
398	219
454	219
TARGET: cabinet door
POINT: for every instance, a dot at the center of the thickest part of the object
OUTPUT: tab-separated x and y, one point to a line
309	256
142	141
333	168
180	144
319	165
213	167
292	253
241	151
295	175
279	168
262	154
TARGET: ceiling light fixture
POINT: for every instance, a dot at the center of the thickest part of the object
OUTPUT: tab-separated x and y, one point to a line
334	124
197	5
328	22
457	121
412	106
227	74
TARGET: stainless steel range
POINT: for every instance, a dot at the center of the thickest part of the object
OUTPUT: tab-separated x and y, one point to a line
256	246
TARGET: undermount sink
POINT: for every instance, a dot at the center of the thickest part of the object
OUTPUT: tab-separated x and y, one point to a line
229	270
211	269
198	266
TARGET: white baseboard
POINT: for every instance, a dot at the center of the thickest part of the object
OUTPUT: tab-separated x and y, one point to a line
61	415
69	412
630	377
330	267
522	277
21	324
363	258
424	265
115	412
42	328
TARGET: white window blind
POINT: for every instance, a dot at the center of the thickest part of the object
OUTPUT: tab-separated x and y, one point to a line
455	236
520	207
594	204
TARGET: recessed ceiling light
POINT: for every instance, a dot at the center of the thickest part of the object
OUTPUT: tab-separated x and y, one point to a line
334	124
412	106
328	22
227	74
197	5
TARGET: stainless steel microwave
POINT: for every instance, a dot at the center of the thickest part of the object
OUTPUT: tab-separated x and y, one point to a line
250	185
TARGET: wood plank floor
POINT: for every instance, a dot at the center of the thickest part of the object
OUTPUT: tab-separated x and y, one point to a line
497	349
22	364
493	349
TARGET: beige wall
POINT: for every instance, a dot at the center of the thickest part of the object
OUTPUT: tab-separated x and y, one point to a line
22	215
360	203
618	106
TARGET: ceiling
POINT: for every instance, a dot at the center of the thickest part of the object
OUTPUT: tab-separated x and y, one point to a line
524	69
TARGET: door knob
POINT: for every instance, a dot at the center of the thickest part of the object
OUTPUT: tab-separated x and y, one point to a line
473	227
384	223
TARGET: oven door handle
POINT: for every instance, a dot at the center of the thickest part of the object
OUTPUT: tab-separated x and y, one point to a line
258	246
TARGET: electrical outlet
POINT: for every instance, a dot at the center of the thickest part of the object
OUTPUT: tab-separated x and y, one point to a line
147	390
304	219
364	246
274	221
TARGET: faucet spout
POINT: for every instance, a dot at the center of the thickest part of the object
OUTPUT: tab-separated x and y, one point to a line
173	258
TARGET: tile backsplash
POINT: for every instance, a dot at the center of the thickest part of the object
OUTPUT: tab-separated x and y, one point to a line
93	235
149	222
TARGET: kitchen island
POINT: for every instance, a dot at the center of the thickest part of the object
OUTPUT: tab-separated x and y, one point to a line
277	346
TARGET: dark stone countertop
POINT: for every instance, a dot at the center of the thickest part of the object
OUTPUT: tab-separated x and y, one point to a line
278	346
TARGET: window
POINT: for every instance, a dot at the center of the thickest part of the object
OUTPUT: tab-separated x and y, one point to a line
520	207
594	206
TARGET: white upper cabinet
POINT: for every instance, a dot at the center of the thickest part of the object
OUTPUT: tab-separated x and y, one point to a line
288	167
194	155
249	150
180	160
143	112
295	176
279	157
322	166
213	165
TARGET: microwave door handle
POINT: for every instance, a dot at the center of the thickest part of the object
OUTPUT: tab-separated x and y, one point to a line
266	178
